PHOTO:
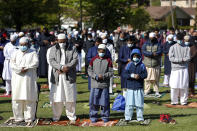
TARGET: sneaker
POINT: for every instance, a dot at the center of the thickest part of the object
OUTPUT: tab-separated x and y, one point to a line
162	117
157	94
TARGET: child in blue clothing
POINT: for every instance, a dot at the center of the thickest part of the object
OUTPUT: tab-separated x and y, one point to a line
135	73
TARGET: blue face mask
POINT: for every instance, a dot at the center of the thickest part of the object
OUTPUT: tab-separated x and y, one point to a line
101	54
187	43
121	39
170	42
179	42
23	48
135	59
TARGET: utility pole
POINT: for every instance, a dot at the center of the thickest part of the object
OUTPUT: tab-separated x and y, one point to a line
172	15
81	16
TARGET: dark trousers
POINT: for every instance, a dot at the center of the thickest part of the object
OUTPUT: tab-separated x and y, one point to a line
105	112
1	72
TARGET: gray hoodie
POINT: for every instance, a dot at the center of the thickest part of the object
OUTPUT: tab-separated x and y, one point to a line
179	56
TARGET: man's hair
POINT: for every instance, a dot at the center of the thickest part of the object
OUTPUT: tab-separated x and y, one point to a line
98	40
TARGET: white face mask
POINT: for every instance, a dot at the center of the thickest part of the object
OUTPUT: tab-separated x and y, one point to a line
61	45
130	45
187	43
104	41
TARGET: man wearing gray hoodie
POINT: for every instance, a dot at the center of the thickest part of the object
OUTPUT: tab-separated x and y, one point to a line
179	56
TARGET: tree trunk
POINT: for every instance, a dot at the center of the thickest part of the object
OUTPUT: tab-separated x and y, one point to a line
18	27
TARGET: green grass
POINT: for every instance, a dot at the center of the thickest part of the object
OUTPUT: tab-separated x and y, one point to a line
186	118
156	3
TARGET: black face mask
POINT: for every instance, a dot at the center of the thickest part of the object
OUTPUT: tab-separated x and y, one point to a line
154	40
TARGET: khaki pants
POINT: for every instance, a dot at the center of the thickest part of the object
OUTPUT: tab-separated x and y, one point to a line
152	78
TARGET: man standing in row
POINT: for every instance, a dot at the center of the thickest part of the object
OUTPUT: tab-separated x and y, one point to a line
63	58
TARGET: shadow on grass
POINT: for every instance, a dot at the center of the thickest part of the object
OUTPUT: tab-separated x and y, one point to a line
5	101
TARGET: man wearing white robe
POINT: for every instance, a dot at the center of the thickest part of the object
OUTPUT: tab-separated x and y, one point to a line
24	63
9	49
63	58
179	56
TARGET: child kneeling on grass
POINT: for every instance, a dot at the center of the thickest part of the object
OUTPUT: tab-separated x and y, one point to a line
135	73
100	70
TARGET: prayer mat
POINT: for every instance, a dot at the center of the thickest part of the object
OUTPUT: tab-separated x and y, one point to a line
45	86
11	123
193	97
190	105
122	122
3	95
49	122
84	77
155	96
99	123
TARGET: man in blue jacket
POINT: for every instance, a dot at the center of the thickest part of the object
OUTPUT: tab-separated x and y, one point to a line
135	73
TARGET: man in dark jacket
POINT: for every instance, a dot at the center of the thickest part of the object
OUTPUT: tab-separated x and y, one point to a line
152	59
44	43
86	46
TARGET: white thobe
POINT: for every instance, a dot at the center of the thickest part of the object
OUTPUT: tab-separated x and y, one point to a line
49	70
63	93
179	83
8	50
24	91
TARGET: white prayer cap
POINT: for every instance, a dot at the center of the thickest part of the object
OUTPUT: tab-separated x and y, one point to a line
102	46
170	36
23	40
89	29
76	33
61	36
103	35
21	34
13	37
100	34
74	30
98	31
187	37
151	35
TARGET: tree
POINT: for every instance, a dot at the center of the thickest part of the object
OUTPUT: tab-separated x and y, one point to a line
18	13
108	14
139	18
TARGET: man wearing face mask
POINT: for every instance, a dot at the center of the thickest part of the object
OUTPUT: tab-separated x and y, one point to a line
167	63
44	44
63	58
192	63
152	58
86	46
92	52
179	56
9	49
100	71
24	63
124	58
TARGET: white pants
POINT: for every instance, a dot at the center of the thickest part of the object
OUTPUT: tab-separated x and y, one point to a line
177	92
57	108
27	107
166	79
111	85
8	86
78	68
124	90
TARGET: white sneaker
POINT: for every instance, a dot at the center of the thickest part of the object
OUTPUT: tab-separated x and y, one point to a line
157	94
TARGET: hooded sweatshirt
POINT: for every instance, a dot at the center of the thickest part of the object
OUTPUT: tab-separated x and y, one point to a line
135	68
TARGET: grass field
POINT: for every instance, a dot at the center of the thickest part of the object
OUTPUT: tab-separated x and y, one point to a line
186	118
